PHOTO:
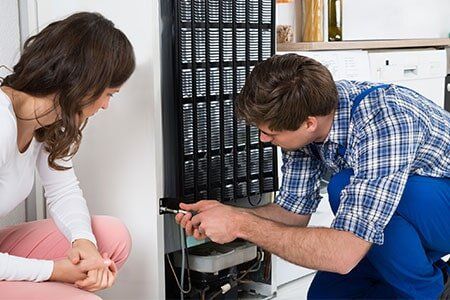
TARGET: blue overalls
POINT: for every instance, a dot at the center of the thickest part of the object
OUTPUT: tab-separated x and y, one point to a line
417	236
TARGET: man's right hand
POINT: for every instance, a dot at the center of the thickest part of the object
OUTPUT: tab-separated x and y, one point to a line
185	219
65	271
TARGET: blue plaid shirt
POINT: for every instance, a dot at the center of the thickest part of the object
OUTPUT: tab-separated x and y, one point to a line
394	132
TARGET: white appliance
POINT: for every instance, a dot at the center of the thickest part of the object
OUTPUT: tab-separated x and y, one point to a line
422	70
348	64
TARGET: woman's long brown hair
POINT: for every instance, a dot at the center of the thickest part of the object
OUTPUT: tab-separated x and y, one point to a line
75	59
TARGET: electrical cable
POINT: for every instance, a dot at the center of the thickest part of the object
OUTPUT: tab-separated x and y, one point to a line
256	269
176	278
216	294
184	261
203	293
258	265
248	270
185	252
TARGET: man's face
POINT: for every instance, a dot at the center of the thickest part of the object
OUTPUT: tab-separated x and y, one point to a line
288	140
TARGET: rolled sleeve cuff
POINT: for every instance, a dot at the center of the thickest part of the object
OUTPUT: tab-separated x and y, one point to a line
47	270
360	227
299	206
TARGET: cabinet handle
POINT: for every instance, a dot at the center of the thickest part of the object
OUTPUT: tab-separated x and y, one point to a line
410	71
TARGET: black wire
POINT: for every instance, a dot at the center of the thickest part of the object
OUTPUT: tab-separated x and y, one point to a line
216	294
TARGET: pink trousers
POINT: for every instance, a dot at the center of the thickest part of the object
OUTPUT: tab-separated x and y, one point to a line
41	239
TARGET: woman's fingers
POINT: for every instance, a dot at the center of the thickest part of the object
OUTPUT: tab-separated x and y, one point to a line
101	278
74	256
89	281
111	278
113	268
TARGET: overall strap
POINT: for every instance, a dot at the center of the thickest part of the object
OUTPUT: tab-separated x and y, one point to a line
362	95
342	149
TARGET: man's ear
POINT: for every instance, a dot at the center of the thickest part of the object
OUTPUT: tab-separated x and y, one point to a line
311	124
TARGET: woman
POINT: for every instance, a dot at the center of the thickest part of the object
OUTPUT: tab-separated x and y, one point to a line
66	73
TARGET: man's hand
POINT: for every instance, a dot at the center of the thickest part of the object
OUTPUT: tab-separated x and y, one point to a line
65	271
185	219
97	278
219	223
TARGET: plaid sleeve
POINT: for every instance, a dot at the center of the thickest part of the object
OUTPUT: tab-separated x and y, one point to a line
384	151
299	191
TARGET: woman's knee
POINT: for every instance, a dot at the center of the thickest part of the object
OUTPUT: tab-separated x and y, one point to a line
112	237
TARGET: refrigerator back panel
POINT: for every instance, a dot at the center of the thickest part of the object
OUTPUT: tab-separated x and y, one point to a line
217	44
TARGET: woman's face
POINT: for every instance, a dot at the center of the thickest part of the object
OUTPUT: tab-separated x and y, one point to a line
101	103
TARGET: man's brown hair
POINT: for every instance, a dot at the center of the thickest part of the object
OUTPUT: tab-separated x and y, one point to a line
283	91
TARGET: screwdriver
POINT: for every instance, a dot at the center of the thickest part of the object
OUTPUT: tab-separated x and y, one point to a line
172	211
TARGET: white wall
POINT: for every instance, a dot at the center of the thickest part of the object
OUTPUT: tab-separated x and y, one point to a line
9	34
119	163
9	54
289	14
382	19
399	19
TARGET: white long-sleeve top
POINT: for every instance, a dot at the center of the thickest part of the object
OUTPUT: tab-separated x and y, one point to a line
65	201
